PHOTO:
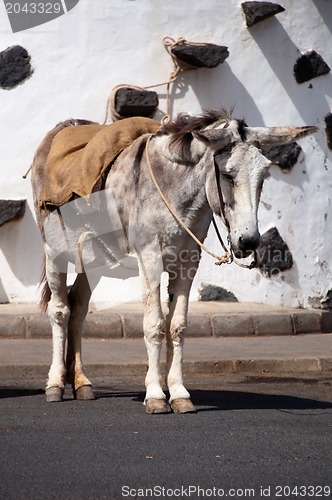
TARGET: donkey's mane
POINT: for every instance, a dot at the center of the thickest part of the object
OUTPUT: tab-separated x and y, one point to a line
180	130
184	124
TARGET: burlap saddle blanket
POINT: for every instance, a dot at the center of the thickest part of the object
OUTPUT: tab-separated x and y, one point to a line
80	154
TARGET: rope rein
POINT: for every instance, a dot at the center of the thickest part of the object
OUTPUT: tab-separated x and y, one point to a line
228	256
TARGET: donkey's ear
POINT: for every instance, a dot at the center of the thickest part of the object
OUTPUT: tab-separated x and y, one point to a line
268	137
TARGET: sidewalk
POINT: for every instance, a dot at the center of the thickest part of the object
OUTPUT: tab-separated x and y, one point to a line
223	338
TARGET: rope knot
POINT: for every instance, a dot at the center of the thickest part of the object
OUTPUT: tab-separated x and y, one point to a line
227	258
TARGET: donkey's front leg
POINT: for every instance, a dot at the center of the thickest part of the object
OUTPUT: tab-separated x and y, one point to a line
58	313
176	328
154	332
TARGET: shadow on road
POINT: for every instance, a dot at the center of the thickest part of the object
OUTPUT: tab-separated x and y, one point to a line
19	393
208	400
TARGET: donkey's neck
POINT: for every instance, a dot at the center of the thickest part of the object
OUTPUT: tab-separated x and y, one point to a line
183	176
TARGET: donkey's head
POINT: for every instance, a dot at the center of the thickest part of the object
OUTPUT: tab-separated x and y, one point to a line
234	186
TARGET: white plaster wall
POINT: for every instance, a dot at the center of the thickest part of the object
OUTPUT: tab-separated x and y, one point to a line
78	59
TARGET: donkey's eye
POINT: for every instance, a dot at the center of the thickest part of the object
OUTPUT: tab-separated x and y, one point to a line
228	178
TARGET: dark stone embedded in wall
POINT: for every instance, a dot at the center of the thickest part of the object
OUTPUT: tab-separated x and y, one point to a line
256	12
273	254
309	66
328	129
284	156
11	210
212	292
326	302
201	55
15	67
134	102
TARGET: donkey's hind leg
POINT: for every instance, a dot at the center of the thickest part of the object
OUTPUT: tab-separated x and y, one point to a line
79	297
58	313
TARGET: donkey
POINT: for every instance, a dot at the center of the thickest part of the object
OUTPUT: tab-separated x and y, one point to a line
203	165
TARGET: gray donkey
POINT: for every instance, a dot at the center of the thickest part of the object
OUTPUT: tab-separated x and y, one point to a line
203	165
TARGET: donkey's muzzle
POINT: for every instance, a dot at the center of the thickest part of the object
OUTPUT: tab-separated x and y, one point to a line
246	245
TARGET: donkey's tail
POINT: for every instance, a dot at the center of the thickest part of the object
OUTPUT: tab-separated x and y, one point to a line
46	291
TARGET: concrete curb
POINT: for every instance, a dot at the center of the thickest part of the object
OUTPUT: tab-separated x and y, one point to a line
204	320
246	367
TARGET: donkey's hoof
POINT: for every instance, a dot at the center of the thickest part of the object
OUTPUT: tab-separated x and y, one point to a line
84	393
54	394
156	406
182	405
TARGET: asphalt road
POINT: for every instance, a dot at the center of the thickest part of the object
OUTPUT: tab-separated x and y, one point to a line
249	439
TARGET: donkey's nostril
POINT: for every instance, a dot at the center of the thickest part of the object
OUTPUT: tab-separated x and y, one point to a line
248	242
